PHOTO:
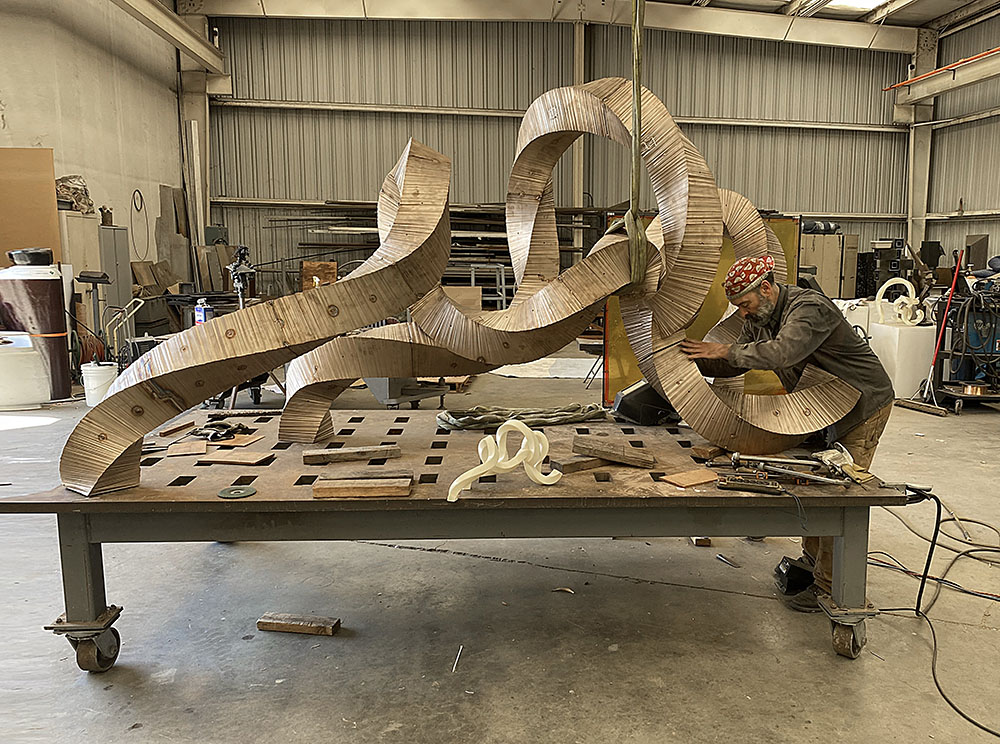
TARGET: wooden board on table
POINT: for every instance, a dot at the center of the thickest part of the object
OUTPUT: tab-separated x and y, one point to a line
707	451
345	454
325	271
575	463
233	457
194	447
352	473
240	440
166	431
309	624
361	487
696	477
613	448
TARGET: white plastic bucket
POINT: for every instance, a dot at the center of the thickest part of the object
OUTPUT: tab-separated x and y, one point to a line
97	378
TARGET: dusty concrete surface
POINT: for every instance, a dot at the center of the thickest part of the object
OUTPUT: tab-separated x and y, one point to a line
660	642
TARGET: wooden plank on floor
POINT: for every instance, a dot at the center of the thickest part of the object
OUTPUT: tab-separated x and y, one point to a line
614	449
345	454
361	488
309	624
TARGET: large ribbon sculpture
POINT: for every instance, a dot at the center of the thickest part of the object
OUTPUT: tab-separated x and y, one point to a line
548	310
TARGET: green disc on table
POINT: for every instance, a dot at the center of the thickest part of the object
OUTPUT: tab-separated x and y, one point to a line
237	492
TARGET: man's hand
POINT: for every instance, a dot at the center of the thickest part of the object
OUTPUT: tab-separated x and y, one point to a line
704	349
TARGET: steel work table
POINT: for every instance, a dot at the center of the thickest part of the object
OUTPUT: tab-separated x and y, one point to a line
177	501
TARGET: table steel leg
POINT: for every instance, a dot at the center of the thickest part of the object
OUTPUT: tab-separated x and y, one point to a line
82	570
850	559
88	617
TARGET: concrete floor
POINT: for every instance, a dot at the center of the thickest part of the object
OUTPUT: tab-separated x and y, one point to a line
660	642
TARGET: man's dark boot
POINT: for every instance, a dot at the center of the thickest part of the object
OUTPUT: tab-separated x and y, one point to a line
806	600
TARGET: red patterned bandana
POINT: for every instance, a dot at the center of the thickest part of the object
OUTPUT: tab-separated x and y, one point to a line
746	274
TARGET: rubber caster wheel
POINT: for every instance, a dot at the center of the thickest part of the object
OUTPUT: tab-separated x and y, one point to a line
848	640
98	654
958	407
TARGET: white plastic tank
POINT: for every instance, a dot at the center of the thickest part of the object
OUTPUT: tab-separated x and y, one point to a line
22	369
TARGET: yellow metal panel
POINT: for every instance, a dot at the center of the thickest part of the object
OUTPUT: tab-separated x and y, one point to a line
620	366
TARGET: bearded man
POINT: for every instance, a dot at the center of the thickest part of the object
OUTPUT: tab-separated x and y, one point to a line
785	328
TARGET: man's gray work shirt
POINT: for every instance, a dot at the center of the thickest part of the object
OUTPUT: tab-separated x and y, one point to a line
807	328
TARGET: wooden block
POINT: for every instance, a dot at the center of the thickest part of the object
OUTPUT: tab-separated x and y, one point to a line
614	449
234	457
345	454
579	462
240	440
194	447
361	488
143	273
281	622
701	542
174	428
707	451
365	473
215	269
325	271
689	478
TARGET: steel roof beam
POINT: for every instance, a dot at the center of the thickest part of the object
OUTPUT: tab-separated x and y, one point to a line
169	26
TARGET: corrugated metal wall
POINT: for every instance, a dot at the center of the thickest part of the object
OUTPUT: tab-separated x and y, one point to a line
963	157
302	154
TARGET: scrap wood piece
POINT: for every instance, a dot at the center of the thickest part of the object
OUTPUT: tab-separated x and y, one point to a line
194	447
371	472
309	624
361	487
174	428
345	454
696	477
239	440
232	457
701	541
576	463
614	449
707	451
919	406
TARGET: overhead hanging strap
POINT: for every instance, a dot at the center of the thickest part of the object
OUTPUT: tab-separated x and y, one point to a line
633	227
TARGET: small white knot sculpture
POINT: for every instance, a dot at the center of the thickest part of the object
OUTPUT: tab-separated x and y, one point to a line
494	458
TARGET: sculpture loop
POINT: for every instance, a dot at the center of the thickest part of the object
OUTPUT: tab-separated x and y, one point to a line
494	458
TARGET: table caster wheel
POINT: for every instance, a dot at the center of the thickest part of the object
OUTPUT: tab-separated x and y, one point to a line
848	640
98	654
958	407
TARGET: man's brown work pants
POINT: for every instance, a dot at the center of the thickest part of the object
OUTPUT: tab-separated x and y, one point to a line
861	442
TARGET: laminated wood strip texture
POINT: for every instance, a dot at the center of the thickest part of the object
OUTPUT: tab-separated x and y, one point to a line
210	358
315	379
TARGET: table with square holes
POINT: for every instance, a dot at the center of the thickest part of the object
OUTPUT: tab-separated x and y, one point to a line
178	501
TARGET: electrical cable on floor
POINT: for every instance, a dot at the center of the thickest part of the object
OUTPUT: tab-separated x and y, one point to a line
921	495
941	581
923	537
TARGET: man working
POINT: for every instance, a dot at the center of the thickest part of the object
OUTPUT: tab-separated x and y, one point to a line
785	328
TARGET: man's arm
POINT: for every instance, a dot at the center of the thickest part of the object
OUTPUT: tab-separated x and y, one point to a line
804	330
